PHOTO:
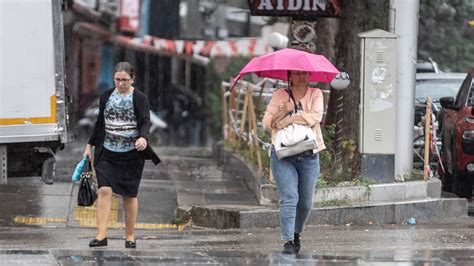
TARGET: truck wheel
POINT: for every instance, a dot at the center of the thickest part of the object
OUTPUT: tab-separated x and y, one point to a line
48	170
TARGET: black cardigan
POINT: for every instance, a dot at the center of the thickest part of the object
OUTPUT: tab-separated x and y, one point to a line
142	112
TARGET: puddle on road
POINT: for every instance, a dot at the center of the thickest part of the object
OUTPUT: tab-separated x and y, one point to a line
137	257
256	258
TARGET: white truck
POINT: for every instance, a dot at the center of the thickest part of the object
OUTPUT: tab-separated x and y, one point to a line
33	97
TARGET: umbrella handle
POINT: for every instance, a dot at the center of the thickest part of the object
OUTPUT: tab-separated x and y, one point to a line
235	81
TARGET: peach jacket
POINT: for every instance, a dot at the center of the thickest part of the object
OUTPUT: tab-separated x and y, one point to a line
313	109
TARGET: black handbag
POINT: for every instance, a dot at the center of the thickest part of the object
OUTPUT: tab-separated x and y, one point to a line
87	193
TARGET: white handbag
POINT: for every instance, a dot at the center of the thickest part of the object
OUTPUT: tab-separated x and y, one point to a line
294	139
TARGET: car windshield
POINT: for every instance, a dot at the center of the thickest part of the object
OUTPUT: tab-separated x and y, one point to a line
436	88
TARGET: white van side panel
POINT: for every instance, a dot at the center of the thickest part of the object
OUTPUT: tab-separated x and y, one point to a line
28	89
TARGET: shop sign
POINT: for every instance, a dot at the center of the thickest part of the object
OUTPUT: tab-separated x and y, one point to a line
295	8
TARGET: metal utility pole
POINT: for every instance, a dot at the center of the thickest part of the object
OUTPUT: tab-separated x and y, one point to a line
404	20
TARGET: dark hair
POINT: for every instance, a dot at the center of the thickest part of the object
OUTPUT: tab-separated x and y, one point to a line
125	67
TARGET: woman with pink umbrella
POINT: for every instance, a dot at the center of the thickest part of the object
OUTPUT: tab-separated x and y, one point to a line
295	174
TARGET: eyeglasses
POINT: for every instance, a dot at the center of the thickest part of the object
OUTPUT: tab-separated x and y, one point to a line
122	79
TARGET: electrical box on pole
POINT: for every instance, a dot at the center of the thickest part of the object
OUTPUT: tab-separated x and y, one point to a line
377	104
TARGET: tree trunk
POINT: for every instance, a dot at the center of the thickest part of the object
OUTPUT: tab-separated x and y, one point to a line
326	32
347	115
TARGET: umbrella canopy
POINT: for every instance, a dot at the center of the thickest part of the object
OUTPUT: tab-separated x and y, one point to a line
276	65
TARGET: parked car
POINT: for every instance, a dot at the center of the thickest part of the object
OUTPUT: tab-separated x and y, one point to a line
435	85
458	140
429	66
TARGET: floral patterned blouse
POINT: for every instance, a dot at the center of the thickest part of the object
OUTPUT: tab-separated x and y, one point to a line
121	130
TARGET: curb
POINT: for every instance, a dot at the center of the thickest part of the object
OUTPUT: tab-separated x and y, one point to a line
390	203
427	210
372	193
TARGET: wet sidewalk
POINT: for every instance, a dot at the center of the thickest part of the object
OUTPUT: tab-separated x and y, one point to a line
387	203
186	177
441	243
41	224
191	182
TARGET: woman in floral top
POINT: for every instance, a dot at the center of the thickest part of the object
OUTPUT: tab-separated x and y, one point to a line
120	141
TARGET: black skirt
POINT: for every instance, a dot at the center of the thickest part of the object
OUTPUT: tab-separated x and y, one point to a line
122	171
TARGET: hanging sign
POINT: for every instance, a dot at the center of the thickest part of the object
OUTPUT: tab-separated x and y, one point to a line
295	8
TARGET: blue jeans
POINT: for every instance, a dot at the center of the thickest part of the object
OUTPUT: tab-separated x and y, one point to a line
295	177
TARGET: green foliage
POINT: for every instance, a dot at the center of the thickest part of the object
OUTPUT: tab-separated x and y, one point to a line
330	172
349	146
340	179
181	219
326	157
416	174
445	35
376	14
321	183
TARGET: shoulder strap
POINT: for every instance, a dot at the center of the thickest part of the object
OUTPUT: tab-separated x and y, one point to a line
292	98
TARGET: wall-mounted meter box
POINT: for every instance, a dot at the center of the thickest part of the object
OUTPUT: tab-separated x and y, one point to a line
377	104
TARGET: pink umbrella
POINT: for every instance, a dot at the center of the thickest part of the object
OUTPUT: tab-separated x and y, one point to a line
276	65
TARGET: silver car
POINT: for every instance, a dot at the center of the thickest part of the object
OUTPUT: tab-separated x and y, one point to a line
434	85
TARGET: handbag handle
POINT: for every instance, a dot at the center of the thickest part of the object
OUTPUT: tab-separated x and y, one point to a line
89	167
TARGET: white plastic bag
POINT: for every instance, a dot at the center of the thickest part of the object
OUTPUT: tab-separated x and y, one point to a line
293	134
294	139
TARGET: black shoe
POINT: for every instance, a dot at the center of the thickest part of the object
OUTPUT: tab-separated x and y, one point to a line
98	243
289	248
297	242
130	244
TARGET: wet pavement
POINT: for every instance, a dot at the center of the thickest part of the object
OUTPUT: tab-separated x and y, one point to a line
186	176
441	243
41	225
